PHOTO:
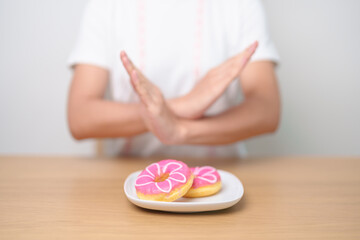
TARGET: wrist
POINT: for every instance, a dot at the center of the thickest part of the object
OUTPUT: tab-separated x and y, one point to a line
182	134
181	107
175	105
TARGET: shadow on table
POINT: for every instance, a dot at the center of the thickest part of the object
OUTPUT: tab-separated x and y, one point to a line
240	206
191	162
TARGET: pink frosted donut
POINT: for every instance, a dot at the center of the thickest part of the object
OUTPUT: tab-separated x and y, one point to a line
166	180
207	182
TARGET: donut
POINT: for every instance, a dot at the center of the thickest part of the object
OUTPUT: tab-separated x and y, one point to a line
207	182
166	180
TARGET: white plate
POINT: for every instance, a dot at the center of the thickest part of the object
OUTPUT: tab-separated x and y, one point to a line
231	192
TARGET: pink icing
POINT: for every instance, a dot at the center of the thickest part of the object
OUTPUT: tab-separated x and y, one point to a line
179	174
204	176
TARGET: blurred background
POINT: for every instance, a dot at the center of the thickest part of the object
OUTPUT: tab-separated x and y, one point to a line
319	77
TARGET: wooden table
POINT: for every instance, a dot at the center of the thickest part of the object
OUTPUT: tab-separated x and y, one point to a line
83	198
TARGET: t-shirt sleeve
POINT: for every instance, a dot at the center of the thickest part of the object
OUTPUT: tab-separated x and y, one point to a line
92	45
254	27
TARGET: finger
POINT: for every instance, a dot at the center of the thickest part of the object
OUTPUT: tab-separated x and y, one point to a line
251	49
237	59
231	68
130	61
247	53
140	88
236	64
126	63
129	66
145	89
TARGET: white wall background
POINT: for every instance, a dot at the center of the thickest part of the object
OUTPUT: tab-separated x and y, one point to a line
319	43
319	77
35	40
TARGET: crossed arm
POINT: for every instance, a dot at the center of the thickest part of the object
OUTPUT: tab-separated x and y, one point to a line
258	114
180	120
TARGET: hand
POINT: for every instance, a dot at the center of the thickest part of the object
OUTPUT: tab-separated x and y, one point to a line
208	89
214	83
178	106
158	117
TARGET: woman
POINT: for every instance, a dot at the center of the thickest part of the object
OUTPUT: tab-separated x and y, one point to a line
180	93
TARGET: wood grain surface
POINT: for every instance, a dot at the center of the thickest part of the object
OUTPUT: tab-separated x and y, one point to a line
83	198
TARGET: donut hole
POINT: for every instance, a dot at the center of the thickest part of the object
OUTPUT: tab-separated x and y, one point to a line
162	177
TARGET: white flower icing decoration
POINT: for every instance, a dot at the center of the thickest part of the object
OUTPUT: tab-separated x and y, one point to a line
154	171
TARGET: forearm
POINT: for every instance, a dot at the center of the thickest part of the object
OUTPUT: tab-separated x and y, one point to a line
98	118
251	118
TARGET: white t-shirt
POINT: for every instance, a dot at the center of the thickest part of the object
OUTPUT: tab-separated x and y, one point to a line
174	42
